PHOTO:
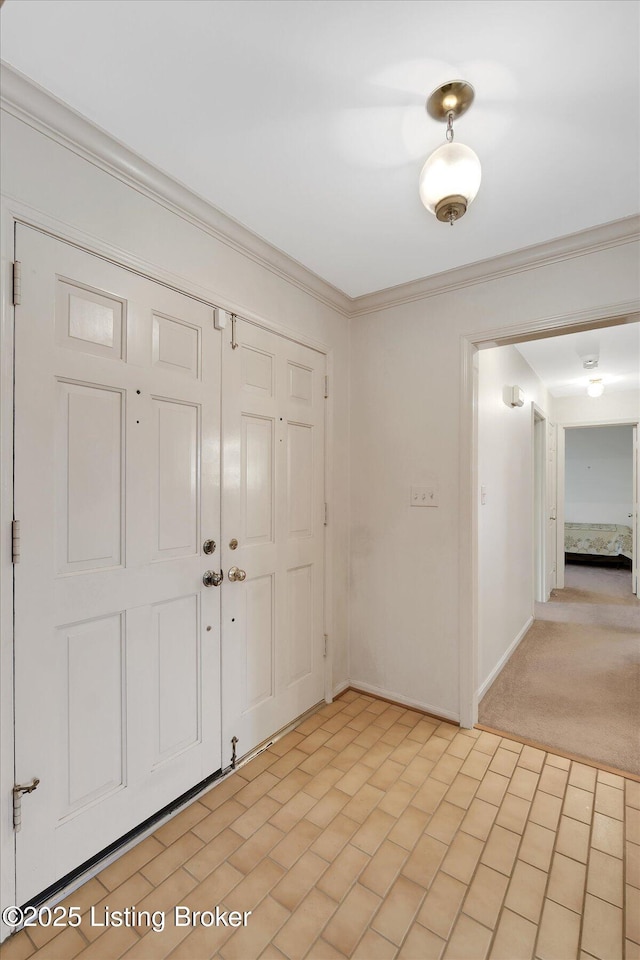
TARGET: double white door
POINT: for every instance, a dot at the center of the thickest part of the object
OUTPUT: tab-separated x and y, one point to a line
122	685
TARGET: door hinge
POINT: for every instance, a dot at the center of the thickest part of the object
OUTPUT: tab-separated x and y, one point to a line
326	513
15	541
326	644
17	283
326	387
18	790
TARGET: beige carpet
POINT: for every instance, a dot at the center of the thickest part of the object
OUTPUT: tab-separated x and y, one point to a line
574	681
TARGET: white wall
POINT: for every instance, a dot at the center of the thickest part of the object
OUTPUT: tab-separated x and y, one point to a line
622	405
505	521
599	474
405	428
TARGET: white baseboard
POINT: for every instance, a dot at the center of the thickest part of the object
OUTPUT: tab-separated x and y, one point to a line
503	659
405	701
339	687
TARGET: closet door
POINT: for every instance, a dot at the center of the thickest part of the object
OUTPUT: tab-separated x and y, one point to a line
117	646
272	535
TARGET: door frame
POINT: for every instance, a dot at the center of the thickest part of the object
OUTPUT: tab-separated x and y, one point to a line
560	564
612	314
12	212
540	445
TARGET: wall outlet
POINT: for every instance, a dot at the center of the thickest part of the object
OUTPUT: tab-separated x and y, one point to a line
425	495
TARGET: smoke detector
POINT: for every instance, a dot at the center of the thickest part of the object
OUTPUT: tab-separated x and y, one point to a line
590	362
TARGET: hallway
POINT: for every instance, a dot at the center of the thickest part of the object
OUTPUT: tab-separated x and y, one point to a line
574	681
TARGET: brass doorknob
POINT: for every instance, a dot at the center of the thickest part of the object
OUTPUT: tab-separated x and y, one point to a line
236	574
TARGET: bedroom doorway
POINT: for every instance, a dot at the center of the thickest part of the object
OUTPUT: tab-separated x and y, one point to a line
598	502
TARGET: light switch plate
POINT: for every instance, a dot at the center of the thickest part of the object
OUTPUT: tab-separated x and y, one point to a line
425	494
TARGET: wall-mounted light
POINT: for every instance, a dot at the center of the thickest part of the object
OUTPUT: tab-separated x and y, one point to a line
450	178
516	398
595	387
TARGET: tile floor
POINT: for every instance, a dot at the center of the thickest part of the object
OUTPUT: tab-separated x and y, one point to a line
371	832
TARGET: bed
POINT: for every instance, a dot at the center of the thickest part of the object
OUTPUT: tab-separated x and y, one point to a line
598	543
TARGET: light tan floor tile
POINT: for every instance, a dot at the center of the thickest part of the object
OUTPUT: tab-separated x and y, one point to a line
225	788
580	775
263	925
218	820
578	804
374	947
604	877
442	904
355	778
422	731
343	872
460	746
601	929
409	827
445	822
479	819
463	855
314	741
119	941
133	890
291	812
559	933
253	819
469	940
633	825
430	794
373	831
417	771
212	854
183	821
523	783
508	744
17	947
485	896
434	748
462	791
610	801
423	864
257	788
362	803
398	910
381	871
214	888
504	762
447	730
394	735
322	782
386	774
531	759
476	765
351	919
293	845
65	946
573	839
501	850
513	813
515	938
289	786
397	798
129	863
487	743
612	779
376	755
563	763
321	950
526	891
282	766
245	857
302	929
421	944
171	858
341	739
297	882
553	780
631	950
346	758
326	809
632	794
633	864
493	788
607	835
272	953
545	810
319	760
632	905
333	838
280	747
406	751
567	882
447	768
537	846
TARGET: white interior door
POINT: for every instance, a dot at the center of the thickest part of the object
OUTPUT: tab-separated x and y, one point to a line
560	485
273	509
116	487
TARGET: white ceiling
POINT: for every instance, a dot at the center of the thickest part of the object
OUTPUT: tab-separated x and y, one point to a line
305	120
558	360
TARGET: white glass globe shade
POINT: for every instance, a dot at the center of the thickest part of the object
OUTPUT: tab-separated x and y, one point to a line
595	388
451	170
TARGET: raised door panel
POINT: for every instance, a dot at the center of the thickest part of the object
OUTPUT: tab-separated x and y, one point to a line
175	479
259	651
257	372
257	479
176	346
300	623
300	480
89	320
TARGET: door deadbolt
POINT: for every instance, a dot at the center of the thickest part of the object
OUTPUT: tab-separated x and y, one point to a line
236	574
212	579
233	544
209	546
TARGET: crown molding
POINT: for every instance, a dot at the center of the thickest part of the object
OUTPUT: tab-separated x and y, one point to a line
31	103
572	245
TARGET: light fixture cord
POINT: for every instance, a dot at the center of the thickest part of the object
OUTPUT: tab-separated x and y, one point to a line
450	127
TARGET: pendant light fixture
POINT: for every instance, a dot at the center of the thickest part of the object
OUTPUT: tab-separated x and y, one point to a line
450	178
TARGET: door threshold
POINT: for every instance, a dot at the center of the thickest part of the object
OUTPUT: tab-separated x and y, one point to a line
282	732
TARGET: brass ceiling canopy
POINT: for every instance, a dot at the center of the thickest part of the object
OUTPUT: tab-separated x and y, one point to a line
454	97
